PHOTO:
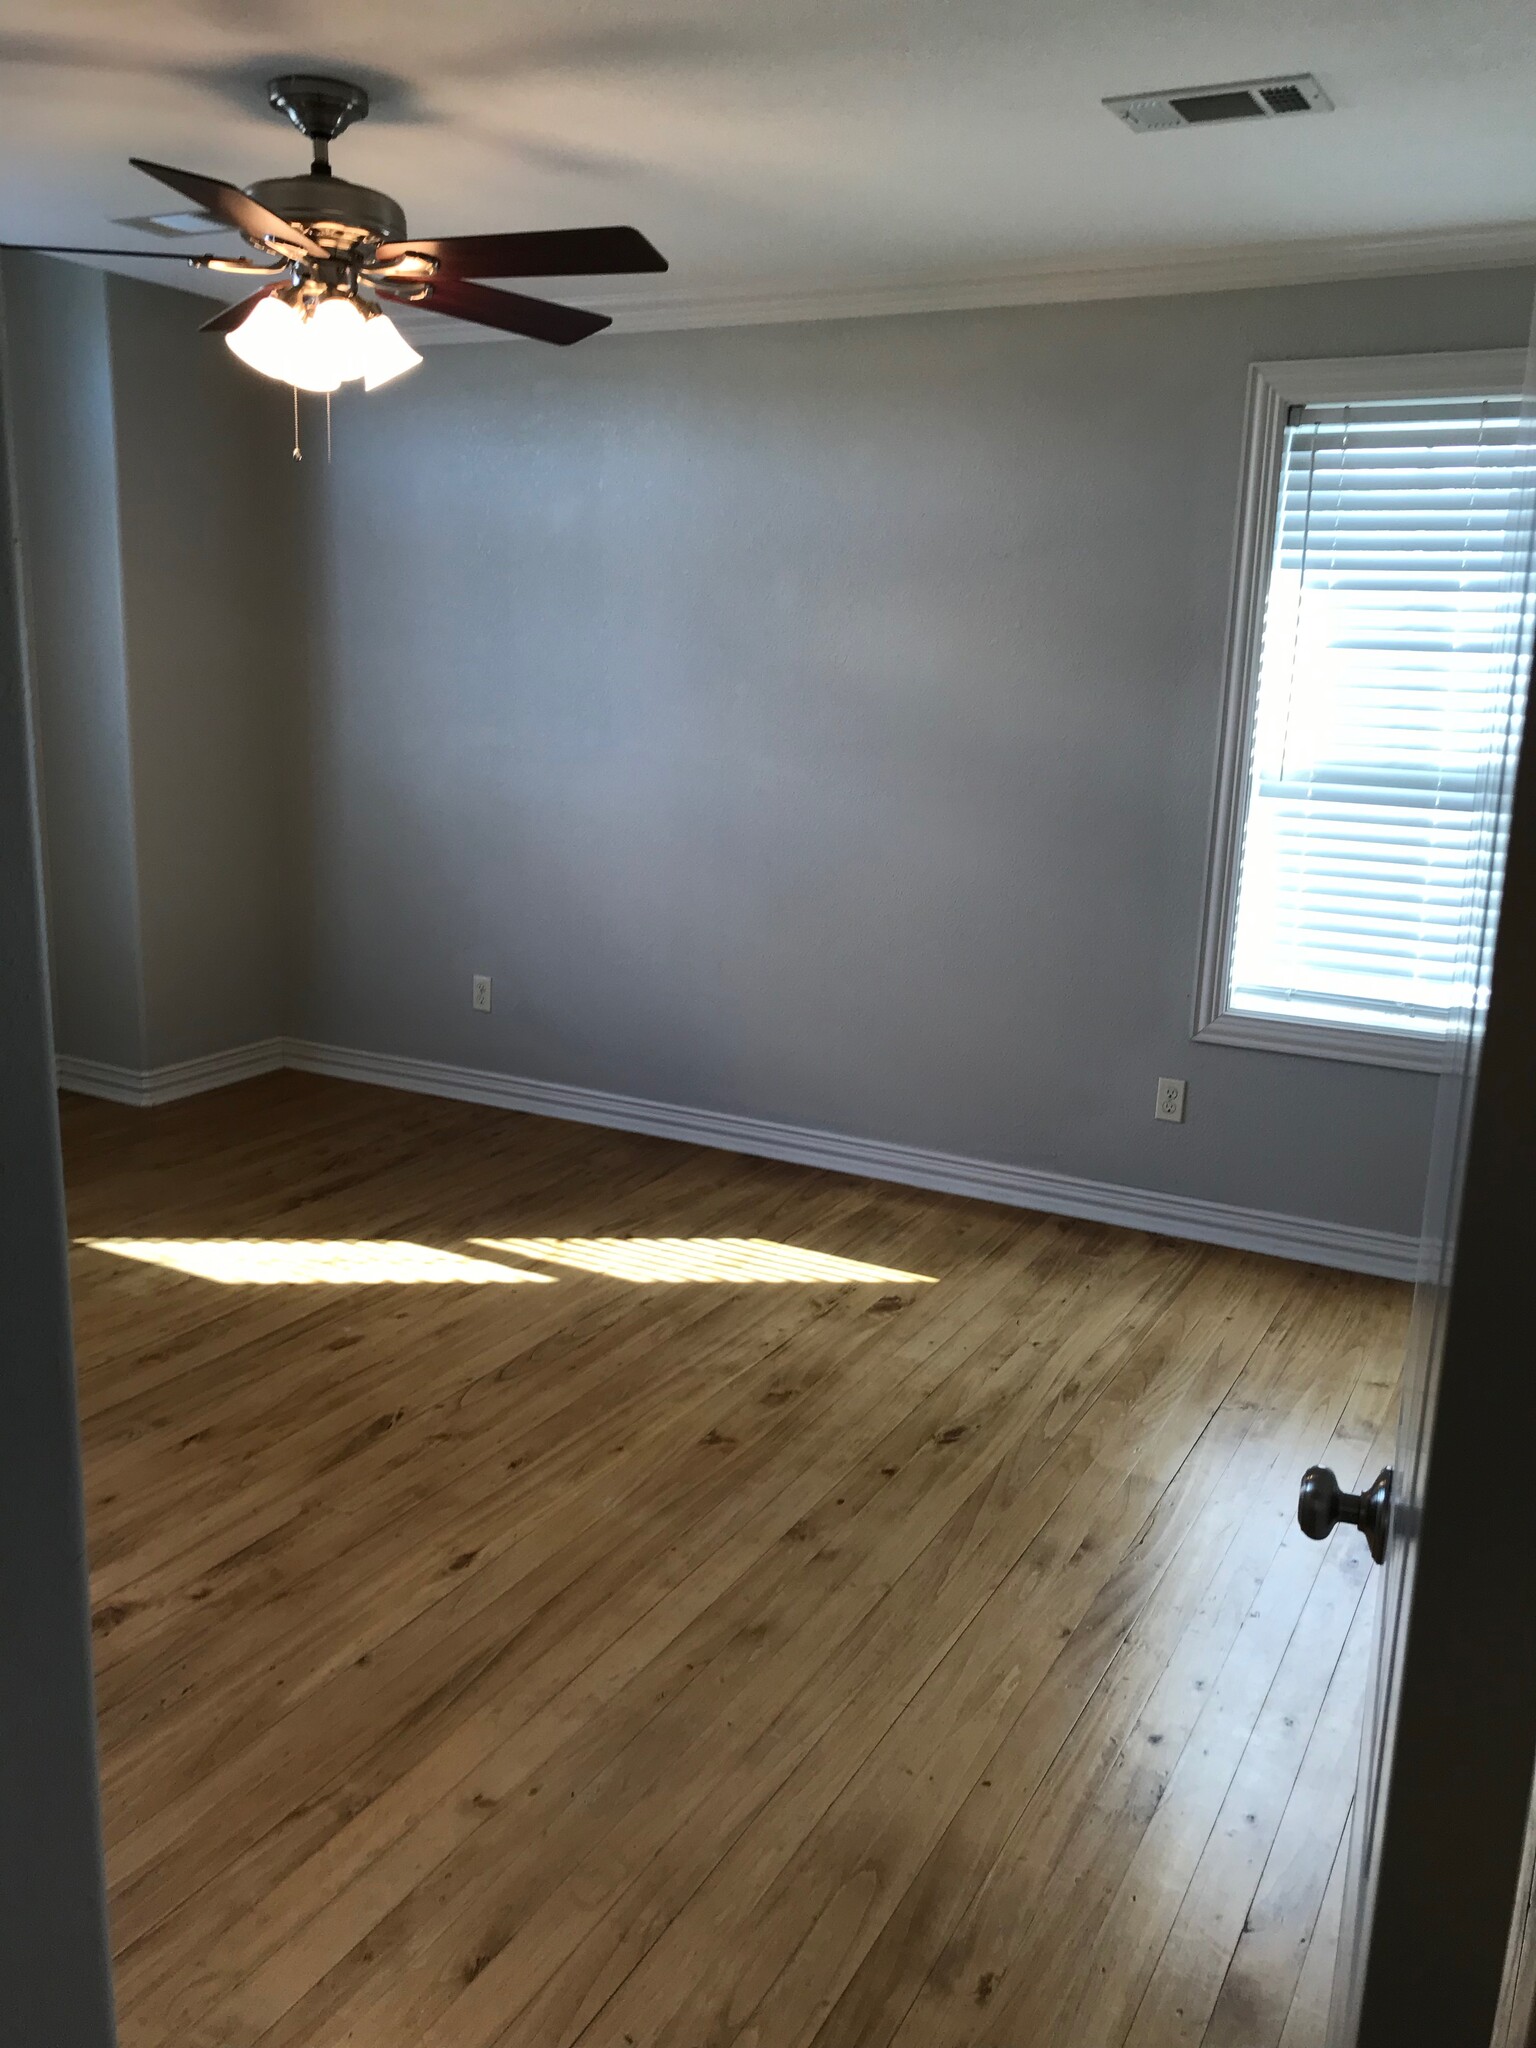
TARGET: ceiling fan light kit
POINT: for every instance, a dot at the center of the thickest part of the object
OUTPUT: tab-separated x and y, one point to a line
329	251
323	345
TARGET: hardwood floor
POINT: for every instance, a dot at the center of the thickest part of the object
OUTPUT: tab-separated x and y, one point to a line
689	1642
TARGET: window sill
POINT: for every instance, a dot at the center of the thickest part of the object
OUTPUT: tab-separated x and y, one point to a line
1331	1042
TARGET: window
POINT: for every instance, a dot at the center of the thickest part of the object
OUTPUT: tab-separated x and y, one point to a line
1371	682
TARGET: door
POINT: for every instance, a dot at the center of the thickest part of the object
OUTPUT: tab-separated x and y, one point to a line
55	1978
1447	1761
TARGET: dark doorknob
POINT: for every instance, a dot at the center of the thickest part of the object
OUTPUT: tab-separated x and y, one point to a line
1323	1505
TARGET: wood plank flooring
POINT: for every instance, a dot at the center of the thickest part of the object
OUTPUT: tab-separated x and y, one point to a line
512	1638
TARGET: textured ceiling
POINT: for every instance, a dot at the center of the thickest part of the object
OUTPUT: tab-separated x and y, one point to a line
802	145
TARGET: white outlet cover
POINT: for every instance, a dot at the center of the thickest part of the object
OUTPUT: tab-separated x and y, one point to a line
480	991
1169	1107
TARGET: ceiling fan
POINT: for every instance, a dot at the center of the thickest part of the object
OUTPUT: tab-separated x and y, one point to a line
314	321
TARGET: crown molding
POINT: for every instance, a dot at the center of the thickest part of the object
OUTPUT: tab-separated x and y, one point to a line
1130	274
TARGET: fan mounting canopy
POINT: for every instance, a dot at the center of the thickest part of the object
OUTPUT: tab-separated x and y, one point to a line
318	107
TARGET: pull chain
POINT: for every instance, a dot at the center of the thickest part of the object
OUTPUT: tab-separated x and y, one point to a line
298	452
327	429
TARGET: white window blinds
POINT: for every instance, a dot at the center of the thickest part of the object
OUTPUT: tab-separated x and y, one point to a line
1384	689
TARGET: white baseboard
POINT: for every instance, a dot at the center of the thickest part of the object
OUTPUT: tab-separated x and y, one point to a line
1258	1230
145	1089
1255	1230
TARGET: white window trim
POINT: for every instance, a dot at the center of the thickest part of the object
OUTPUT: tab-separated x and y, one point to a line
1273	388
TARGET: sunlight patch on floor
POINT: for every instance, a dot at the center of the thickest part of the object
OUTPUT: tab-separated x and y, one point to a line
358	1262
342	1262
670	1261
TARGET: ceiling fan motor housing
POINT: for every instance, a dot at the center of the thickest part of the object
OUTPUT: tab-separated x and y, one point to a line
334	211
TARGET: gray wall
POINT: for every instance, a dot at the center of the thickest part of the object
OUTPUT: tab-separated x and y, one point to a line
811	722
167	621
62	414
819	723
55	1986
214	608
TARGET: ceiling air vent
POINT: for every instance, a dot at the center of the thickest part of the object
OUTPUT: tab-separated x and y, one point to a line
1249	99
172	224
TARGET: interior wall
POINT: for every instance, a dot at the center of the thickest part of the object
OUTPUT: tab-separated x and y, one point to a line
215	611
810	722
819	722
61	414
160	530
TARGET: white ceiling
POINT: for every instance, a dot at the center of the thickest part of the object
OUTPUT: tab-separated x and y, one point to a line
796	148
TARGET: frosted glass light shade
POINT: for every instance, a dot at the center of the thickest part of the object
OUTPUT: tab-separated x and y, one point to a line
386	352
268	339
332	343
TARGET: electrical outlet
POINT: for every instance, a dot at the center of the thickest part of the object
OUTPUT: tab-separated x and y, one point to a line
480	994
1170	1101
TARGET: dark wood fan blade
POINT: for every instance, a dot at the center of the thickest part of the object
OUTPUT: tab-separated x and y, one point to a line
59	249
545	252
231	205
537	318
227	320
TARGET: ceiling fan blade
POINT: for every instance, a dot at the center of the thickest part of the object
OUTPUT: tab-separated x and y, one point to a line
544	252
231	205
60	249
539	319
229	317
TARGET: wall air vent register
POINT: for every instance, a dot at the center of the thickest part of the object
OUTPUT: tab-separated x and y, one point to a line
1191	106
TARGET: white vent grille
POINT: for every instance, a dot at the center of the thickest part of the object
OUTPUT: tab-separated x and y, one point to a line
1248	99
172	225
